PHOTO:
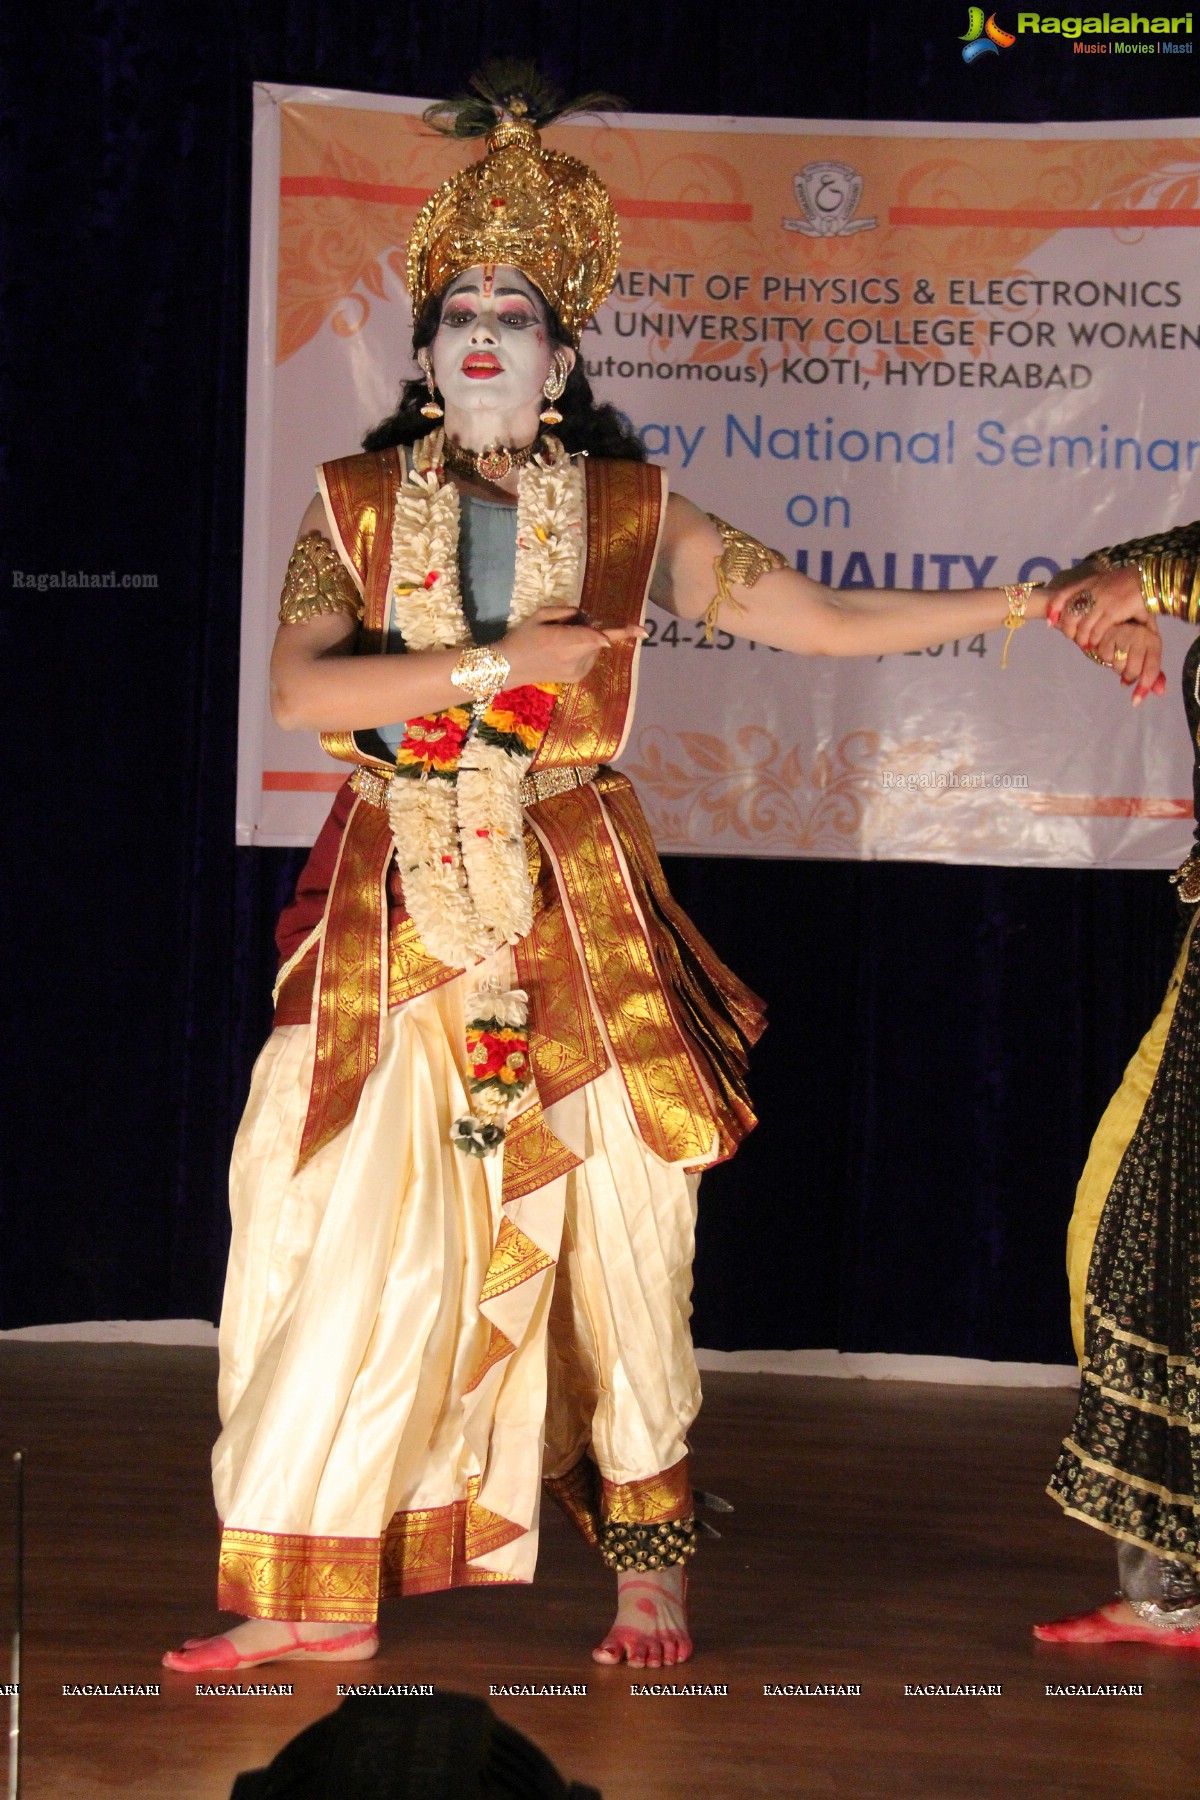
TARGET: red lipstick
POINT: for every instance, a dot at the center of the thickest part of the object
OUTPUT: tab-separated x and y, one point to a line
481	366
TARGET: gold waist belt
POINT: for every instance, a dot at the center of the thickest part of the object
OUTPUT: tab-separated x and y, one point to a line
542	783
372	785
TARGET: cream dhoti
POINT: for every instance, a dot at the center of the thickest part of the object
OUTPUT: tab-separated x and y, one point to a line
373	1442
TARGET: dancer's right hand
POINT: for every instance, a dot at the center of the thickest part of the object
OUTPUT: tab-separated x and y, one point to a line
557	644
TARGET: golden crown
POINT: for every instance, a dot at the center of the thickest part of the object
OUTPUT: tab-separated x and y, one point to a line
546	214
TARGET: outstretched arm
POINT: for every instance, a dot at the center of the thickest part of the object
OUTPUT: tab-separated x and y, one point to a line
785	609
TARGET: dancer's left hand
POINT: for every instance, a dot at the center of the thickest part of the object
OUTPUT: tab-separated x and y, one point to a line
1134	653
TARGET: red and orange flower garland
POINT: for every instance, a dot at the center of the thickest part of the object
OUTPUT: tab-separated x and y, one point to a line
498	1060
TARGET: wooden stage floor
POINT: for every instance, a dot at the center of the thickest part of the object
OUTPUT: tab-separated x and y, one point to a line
886	1535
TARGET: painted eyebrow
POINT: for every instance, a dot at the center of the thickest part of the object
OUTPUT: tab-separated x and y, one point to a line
472	287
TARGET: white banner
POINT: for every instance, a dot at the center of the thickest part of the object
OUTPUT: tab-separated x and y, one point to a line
926	356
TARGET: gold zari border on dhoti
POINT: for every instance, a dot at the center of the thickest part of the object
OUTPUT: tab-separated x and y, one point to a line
515	1258
578	1494
651	1501
591	1502
498	1347
533	1156
285	1575
429	1548
411	971
718	1013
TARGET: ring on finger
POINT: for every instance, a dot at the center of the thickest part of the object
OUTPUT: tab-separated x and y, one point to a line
1119	657
1082	603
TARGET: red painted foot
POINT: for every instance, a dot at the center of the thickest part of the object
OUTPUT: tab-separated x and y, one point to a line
1115	1623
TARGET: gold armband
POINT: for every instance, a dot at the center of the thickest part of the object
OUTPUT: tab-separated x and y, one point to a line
1171	585
316	582
743	560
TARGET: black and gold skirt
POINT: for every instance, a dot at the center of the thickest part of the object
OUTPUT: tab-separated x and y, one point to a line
1131	1465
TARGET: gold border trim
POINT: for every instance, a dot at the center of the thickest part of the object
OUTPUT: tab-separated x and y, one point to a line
654	1500
624	517
533	1157
670	1104
578	1494
1109	1324
1113	1531
499	1348
427	1549
515	1259
350	981
1188	1502
286	1575
1147	1406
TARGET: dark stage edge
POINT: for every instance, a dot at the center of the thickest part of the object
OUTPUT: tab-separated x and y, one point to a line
885	1534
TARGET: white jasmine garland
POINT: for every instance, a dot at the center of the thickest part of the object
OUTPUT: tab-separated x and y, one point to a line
507	1006
549	536
424	820
460	844
424	580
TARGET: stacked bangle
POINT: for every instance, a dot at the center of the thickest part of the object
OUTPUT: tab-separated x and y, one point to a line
482	672
1171	585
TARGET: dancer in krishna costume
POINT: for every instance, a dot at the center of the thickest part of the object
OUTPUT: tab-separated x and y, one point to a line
463	1192
1131	1464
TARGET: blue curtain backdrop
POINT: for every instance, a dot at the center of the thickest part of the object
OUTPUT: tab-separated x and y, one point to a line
942	1040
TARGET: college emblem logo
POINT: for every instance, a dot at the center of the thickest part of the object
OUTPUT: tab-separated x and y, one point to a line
828	193
983	38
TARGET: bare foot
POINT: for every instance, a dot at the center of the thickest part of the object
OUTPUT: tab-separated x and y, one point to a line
1116	1623
257	1641
650	1630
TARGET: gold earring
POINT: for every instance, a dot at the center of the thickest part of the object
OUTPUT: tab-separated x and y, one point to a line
552	387
431	409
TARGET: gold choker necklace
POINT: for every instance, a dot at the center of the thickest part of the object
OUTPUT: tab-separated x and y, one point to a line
487	465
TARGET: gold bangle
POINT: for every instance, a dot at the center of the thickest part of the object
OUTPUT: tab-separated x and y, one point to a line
482	671
1147	569
1185	586
1017	596
1170	582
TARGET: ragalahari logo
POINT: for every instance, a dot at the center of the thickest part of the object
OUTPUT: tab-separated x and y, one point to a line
983	38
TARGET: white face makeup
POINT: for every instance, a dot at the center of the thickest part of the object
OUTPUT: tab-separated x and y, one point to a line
492	350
